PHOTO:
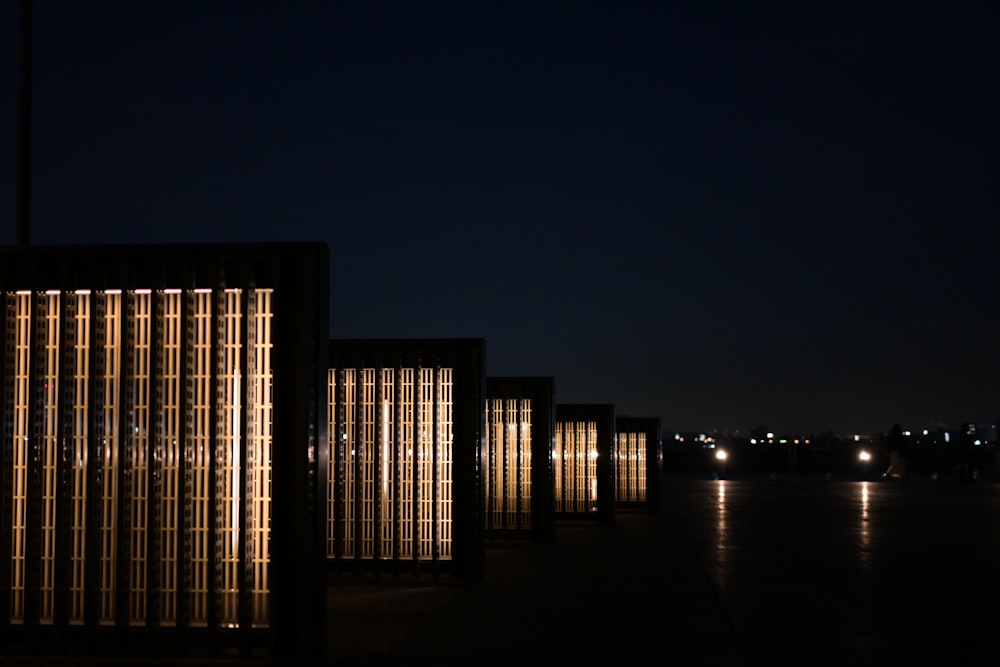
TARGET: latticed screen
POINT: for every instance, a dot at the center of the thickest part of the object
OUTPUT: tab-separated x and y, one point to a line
574	466
631	468
392	428
111	394
507	468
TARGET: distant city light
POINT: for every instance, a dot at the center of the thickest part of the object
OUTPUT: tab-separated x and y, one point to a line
770	435
753	441
721	455
863	455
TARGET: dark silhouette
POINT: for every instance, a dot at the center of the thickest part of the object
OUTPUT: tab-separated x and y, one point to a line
966	467
896	444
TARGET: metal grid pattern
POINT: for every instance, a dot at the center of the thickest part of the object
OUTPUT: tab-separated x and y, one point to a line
507	472
136	456
77	359
137	447
394	427
631	468
228	493
143	359
107	351
47	315
18	331
575	466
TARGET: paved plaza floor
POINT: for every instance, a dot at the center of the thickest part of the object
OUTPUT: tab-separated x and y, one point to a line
734	572
800	571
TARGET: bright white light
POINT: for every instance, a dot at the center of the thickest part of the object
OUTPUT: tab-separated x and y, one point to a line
770	435
863	455
721	455
753	441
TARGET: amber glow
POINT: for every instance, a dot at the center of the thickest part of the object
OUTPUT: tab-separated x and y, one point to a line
395	430
631	467
507	465
122	393
575	466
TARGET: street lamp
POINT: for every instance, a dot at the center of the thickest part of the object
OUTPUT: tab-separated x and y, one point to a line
865	457
721	456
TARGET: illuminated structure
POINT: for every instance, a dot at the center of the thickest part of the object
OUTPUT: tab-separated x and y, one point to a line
517	465
405	482
638	462
162	439
583	461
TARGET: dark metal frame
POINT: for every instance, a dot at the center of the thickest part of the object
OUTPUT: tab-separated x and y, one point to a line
604	415
654	457
541	392
466	356
299	275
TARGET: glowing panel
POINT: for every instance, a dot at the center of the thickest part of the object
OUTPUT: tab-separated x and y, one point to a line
137	448
396	429
227	490
78	306
82	364
507	470
199	443
259	441
19	330
109	346
48	336
574	464
168	408
631	467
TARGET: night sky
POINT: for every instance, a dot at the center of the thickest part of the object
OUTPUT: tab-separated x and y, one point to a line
715	214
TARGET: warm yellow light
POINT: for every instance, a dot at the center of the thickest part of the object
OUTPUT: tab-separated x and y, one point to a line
721	454
863	455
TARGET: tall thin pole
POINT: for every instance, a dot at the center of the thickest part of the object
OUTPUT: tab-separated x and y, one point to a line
24	143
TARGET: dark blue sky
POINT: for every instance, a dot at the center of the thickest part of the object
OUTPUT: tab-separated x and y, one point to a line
711	213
